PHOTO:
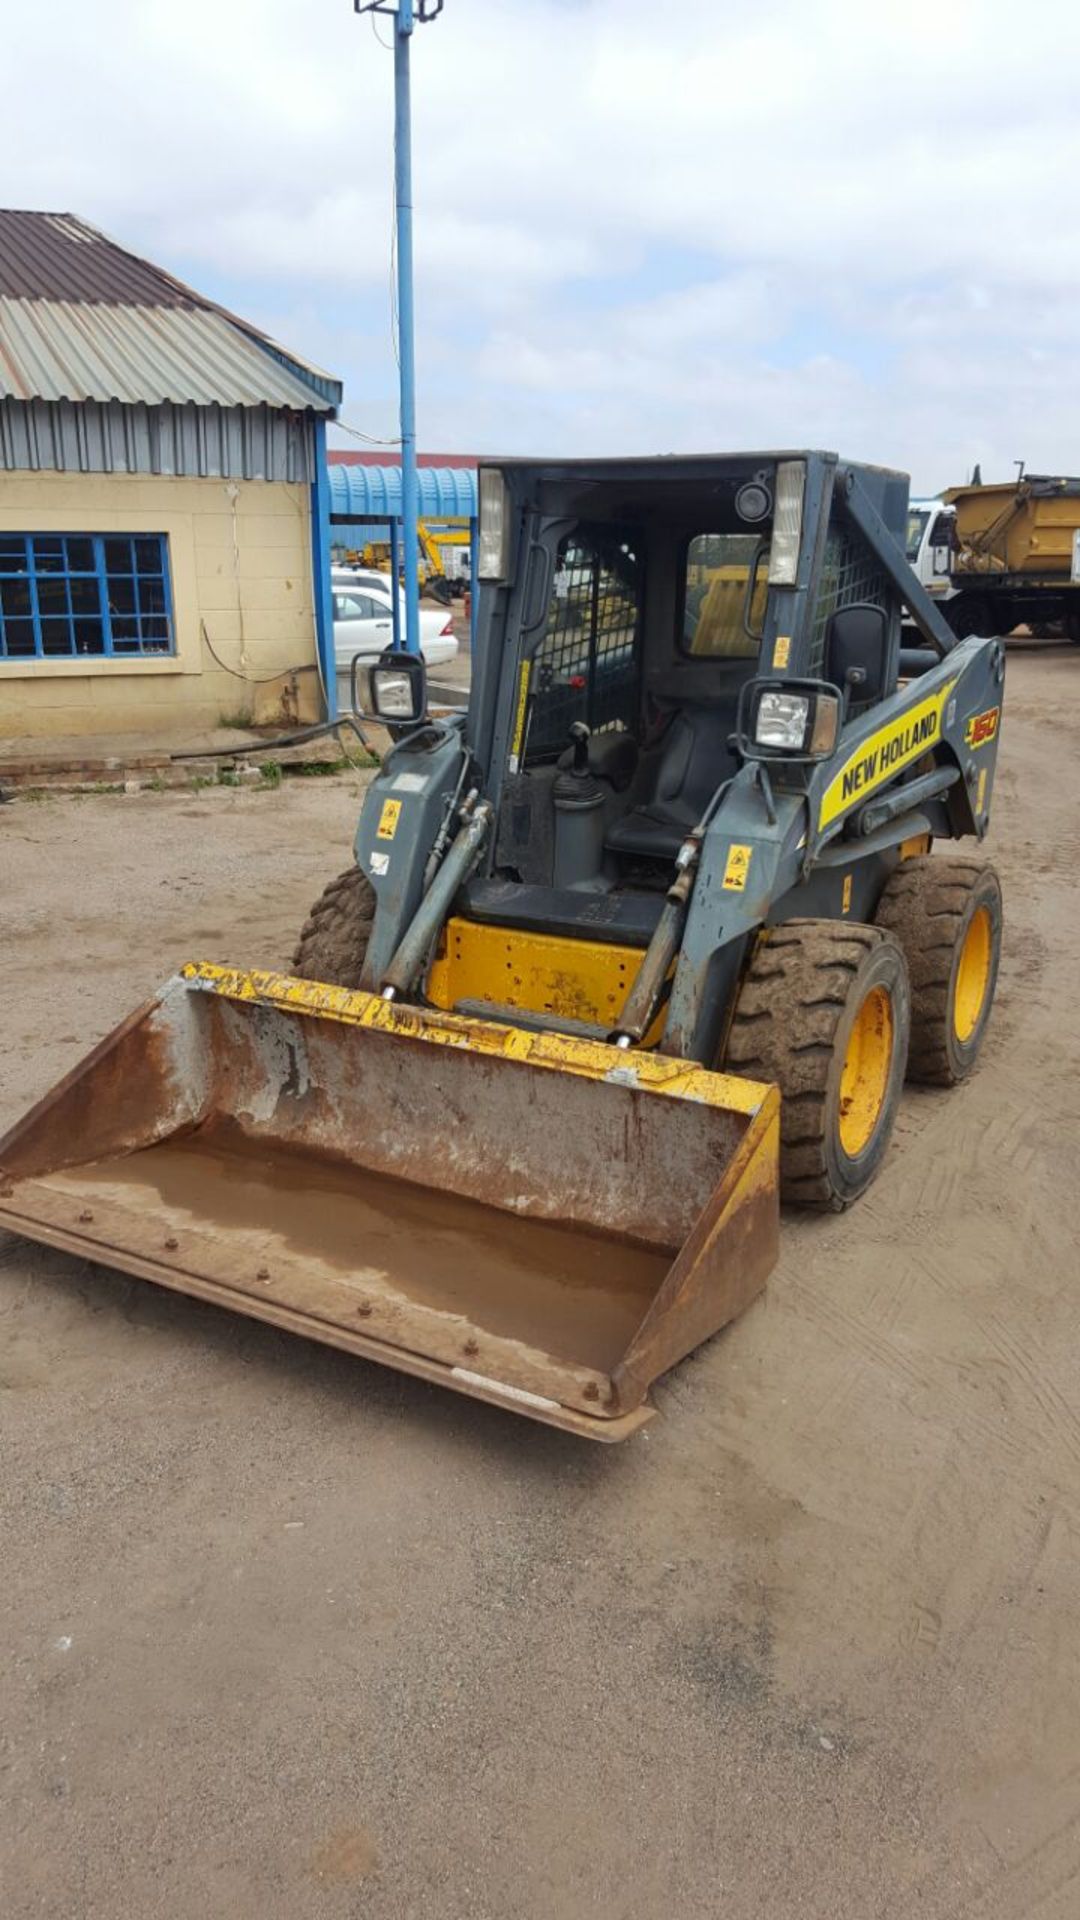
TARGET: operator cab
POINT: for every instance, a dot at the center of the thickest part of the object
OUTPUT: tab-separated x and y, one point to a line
642	598
653	624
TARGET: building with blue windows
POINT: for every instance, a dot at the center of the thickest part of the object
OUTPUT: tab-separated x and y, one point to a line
164	505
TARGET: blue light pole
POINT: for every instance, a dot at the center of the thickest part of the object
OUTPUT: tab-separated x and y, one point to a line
406	15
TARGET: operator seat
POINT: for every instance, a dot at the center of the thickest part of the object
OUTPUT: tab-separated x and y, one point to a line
692	760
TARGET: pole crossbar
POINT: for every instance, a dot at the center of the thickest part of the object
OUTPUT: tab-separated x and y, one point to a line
423	10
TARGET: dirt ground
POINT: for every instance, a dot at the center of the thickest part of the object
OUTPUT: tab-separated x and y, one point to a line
287	1634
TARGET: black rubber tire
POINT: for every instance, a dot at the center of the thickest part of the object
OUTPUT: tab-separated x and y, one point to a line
792	1023
334	938
969	615
928	905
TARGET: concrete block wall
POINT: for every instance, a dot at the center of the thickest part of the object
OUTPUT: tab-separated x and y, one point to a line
240	563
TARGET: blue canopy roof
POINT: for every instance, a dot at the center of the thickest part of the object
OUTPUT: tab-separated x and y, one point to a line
374	493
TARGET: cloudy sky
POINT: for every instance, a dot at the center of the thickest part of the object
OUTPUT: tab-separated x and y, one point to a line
642	225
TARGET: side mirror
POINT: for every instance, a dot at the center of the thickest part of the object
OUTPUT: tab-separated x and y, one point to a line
856	650
399	687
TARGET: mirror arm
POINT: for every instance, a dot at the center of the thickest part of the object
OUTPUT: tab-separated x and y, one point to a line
854	677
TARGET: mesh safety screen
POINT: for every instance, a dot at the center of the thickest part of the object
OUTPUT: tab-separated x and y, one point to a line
587	666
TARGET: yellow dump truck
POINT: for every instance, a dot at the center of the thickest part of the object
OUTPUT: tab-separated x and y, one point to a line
1015	556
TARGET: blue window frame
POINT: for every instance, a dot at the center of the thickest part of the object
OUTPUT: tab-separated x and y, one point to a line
69	596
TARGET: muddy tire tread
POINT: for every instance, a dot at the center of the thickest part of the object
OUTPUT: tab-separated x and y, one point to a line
922	907
334	937
784	1029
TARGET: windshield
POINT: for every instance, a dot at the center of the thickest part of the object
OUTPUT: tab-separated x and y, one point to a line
716	624
916	527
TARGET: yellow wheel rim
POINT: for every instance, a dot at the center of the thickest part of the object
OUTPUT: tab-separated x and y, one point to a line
972	975
865	1077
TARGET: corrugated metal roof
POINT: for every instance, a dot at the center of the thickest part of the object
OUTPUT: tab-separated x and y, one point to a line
82	319
70	350
55	256
374	493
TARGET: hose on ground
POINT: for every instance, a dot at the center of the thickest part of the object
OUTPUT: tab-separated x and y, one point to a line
299	738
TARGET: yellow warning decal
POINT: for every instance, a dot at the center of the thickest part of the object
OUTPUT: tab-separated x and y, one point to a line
388	819
781	652
980	798
883	754
737	868
845	903
520	715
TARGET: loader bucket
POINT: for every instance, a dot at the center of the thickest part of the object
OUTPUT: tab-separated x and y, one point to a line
543	1222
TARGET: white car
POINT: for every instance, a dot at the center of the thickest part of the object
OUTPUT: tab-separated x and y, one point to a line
367	577
364	621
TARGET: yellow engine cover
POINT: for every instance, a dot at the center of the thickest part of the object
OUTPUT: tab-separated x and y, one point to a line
538	972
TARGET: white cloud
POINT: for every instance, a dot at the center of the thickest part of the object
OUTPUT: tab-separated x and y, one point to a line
638	225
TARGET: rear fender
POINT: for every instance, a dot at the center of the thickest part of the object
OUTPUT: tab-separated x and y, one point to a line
404	807
952	712
749	862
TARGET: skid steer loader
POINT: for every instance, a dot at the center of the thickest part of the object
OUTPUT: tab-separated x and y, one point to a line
643	943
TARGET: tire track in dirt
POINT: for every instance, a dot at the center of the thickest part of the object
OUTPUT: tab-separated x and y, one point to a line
940	1384
1024	1361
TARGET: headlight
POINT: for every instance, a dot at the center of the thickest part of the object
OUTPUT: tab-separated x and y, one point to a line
493	546
804	723
399	686
392	694
787	523
782	720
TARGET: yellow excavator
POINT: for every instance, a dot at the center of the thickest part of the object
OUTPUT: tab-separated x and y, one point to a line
645	941
433	576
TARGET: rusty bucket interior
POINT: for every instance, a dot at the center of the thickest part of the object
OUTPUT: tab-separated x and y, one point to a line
544	1222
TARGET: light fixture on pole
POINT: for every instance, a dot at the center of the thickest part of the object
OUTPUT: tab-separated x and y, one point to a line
406	15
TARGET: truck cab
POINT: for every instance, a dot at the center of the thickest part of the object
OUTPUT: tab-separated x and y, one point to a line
931	538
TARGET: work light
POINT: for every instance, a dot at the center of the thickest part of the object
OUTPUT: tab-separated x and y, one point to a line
782	720
393	695
787	523
398	686
803	721
493	559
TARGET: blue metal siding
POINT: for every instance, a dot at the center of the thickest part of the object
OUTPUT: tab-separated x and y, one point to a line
374	493
217	443
360	533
